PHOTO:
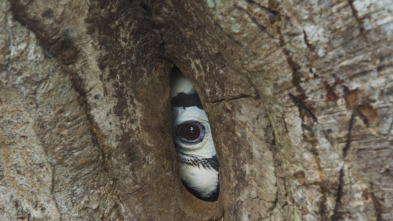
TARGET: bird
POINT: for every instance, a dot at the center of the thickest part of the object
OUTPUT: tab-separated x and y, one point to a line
196	153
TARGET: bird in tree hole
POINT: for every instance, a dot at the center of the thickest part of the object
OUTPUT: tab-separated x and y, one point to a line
198	163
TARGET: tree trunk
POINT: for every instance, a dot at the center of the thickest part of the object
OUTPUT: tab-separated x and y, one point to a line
298	95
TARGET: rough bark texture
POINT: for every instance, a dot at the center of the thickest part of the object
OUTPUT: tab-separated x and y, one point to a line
298	93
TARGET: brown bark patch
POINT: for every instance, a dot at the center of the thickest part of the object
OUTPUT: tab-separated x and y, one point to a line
369	114
350	97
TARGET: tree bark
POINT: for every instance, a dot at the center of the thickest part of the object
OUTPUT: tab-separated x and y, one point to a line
298	94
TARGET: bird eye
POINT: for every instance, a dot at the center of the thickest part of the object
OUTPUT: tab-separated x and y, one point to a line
190	132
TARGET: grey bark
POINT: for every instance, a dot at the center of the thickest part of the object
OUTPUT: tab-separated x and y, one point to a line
298	93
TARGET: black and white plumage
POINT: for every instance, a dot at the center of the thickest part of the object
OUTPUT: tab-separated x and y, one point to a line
198	163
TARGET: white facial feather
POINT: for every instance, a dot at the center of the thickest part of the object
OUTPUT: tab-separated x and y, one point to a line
181	84
203	180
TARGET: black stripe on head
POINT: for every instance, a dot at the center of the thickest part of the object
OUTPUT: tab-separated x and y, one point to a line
213	162
191	160
187	100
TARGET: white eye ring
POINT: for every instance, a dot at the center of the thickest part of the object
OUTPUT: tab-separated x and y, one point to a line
190	132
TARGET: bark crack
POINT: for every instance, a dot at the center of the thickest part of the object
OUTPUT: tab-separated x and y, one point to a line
296	75
230	99
358	20
263	8
349	136
301	106
307	42
339	191
134	191
390	128
361	115
377	206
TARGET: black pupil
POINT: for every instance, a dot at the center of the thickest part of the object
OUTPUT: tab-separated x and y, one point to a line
191	132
